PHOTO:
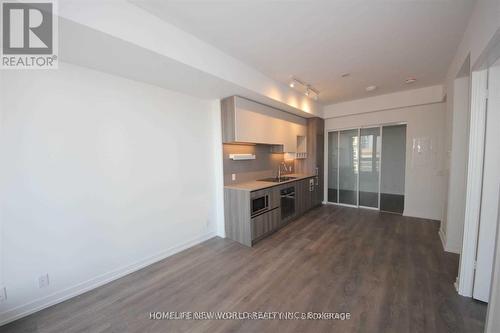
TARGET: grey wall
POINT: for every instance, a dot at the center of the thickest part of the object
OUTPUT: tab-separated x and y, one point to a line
264	165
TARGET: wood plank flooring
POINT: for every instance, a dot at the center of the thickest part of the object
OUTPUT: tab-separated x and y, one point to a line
388	271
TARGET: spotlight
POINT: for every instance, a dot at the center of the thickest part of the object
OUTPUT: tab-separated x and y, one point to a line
304	88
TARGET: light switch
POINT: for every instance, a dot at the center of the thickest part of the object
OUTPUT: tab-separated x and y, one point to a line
3	294
43	280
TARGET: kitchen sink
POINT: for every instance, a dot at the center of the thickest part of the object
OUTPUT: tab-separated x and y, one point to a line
276	179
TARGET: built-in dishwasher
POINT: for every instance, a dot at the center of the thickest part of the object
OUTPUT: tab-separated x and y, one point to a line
287	202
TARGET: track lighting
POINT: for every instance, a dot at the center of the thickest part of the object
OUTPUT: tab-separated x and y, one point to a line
303	87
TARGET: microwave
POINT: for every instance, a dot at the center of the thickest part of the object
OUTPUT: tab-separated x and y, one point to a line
259	205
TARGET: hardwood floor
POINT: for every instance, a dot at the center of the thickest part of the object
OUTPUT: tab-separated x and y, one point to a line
388	271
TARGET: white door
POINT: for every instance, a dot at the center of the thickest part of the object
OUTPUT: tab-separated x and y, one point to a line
490	191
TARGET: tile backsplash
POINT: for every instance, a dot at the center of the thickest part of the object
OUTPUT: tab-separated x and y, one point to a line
265	164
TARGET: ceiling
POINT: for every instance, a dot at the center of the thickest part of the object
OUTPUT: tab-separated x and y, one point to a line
379	42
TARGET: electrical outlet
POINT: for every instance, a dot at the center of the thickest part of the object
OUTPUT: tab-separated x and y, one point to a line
233	177
3	294
43	281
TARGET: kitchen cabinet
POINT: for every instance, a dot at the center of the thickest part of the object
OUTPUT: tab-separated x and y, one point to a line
317	129
317	195
264	224
245	121
288	202
314	162
274	196
245	229
305	195
300	197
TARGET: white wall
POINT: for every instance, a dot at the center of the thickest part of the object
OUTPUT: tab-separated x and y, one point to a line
1	186
483	23
397	100
457	166
149	32
424	183
100	176
493	316
490	190
482	26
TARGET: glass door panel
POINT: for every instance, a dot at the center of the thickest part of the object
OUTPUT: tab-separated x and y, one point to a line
369	166
333	166
348	167
392	183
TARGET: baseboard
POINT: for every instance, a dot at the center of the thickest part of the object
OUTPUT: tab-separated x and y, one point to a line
450	249
447	247
442	237
80	288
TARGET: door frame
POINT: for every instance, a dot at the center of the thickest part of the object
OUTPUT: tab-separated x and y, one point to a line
477	132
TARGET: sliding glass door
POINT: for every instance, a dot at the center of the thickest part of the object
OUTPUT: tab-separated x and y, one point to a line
333	166
392	185
348	167
369	166
361	173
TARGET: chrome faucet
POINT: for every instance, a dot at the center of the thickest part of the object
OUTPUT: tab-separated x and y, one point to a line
282	164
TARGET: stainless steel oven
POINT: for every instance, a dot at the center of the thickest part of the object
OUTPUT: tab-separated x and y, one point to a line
287	202
259	205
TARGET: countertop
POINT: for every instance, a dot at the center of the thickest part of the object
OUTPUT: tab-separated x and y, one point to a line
255	185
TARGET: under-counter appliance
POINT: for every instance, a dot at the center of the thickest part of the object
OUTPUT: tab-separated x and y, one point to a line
259	205
287	202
